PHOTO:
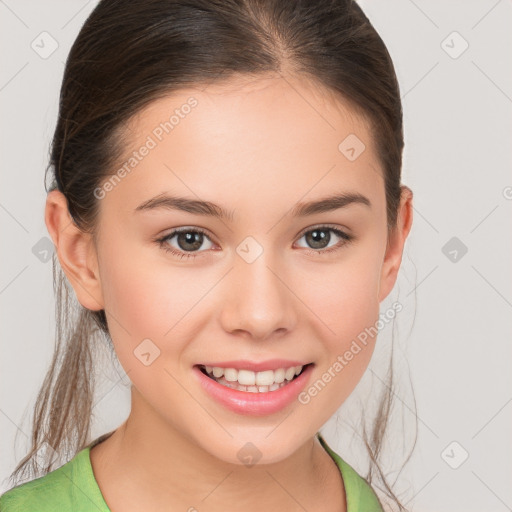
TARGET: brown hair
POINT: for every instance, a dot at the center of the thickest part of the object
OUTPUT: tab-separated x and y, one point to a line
130	53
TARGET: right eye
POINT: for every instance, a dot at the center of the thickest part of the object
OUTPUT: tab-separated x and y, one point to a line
186	238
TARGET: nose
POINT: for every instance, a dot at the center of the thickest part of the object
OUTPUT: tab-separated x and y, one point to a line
258	299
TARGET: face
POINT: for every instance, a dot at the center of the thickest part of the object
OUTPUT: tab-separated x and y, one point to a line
270	283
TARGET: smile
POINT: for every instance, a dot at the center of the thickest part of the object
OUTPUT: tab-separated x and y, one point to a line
251	392
252	382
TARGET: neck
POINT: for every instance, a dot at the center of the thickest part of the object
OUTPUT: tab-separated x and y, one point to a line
148	464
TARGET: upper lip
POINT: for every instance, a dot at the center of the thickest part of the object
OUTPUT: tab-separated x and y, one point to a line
270	364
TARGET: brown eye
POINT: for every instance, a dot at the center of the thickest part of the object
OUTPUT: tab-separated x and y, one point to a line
318	239
188	240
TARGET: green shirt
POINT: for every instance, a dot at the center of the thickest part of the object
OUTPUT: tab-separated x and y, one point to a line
73	488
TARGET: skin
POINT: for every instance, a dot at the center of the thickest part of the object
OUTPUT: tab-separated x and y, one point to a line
257	147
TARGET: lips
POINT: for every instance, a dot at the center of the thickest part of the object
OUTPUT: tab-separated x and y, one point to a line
244	364
254	400
247	380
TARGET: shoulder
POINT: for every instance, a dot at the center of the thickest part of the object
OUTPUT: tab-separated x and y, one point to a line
63	489
359	493
42	494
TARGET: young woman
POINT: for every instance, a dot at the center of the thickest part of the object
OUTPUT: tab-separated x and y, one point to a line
227	207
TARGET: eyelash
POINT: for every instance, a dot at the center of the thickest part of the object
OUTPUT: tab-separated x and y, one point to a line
163	245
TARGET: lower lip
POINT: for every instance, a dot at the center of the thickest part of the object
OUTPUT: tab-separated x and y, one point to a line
255	404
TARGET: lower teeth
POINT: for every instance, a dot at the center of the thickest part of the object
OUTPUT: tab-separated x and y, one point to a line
250	389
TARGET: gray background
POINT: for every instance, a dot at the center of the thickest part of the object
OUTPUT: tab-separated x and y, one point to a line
454	333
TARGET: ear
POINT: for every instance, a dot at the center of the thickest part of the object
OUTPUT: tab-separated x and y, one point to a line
75	250
395	245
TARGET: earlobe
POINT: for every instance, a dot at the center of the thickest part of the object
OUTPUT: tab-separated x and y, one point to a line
75	250
396	243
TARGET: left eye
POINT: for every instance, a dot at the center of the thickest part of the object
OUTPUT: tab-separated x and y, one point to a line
320	237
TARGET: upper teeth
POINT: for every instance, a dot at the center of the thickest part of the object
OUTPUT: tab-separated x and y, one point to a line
249	378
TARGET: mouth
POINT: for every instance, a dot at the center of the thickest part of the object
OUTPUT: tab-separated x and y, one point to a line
253	382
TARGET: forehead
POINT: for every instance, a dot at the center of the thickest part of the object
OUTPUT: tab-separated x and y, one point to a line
287	98
255	136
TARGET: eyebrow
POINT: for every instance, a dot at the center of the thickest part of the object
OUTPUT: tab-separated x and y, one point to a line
207	208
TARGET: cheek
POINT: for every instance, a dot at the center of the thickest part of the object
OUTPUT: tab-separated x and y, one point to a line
149	298
344	295
133	296
138	298
344	304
